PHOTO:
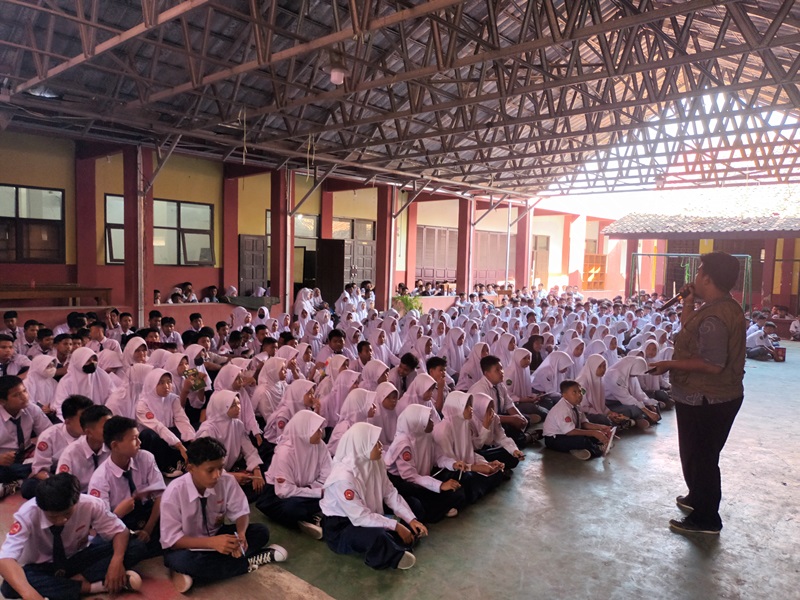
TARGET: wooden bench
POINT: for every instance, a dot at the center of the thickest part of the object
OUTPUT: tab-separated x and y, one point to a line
71	293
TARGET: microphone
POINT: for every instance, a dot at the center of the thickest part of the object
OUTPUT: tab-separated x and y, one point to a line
675	299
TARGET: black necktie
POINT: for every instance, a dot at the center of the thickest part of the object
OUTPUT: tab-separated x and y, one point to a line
20	434
59	555
129	476
95	460
203	503
101	347
577	417
403	386
497	397
3	369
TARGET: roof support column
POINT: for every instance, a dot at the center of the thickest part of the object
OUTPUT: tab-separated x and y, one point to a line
577	250
411	245
384	253
632	247
137	168
466	231
85	206
282	238
522	271
326	215
230	232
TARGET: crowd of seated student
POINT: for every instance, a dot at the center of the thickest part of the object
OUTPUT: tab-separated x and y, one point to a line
318	418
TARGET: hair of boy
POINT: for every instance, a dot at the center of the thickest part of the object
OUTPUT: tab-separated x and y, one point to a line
335	333
195	316
154	314
115	428
189	337
487	362
409	360
8	383
44	332
125	314
568	384
268	341
82	333
247	329
261	327
30	323
221	324
235	336
361	345
286	336
10	314
434	362
98	324
58	493
74	404
206	449
93	414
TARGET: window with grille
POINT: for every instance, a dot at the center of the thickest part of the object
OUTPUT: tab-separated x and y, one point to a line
31	225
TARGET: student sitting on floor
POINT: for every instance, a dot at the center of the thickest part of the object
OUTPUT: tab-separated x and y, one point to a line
410	461
624	395
129	483
295	478
47	553
20	422
489	437
358	407
223	423
566	428
386	412
197	545
355	493
759	345
53	441
84	455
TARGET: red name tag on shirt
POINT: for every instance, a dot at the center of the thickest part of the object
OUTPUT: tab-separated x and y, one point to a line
42	446
150	415
349	494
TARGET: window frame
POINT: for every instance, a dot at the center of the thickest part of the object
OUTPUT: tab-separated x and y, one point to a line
108	227
18	223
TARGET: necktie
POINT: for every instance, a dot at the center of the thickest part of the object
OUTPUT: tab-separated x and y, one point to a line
403	384
129	476
59	555
203	503
20	434
497	398
95	460
577	417
101	348
3	369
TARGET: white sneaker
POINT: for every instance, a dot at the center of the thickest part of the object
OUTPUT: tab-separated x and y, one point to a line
310	529
134	583
408	561
582	454
273	553
453	512
9	489
181	581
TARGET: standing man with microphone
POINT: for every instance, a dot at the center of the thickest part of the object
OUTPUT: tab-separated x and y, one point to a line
706	373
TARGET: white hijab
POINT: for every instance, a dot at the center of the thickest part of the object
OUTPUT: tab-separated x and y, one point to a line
415	392
370	374
332	403
296	458
96	386
355	409
411	434
454	432
41	386
620	381
385	418
220	426
518	378
352	464
548	377
453	352
594	399
471	371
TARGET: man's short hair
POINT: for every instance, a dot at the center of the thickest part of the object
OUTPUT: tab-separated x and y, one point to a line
409	360
335	333
722	268
435	361
74	404
58	493
567	384
205	449
487	362
115	428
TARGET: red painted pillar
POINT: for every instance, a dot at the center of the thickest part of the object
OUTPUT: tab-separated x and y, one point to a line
85	206
785	296
522	271
326	216
632	245
411	245
768	271
282	239
230	233
466	231
137	170
383	247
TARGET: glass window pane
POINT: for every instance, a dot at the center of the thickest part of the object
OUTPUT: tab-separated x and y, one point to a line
364	230
40	204
8	201
115	245
165	246
195	216
342	229
305	226
115	210
269	223
8	241
165	214
197	248
41	242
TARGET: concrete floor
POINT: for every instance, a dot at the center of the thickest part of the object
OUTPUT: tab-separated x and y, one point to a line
564	529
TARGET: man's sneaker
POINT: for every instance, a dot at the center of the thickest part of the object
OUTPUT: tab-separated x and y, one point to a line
273	553
176	471
9	489
133	581
408	561
453	512
685	526
312	530
582	454
683	503
181	581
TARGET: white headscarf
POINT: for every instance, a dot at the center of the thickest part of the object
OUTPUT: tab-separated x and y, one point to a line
454	432
518	378
296	459
453	352
385	418
41	386
130	348
415	392
355	409
548	377
315	340
96	386
370	374
291	403
393	341
610	355
620	382
270	388
594	399
231	432
224	381
238	318
352	464
471	371
332	403
411	434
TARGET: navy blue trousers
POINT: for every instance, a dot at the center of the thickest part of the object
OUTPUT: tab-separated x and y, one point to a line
286	511
428	506
565	443
14	472
382	549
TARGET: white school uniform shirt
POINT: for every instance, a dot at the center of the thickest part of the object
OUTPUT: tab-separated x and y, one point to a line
115	333
15	333
37	351
181	512
753	329
172	338
30	541
562	419
758	338
49	448
106	344
24	347
77	458
33	420
108	484
59	329
160	416
15	364
484	386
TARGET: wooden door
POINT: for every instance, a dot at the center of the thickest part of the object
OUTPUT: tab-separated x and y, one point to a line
253	261
330	268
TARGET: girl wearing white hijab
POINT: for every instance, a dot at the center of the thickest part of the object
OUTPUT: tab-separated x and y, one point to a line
593	404
231	378
385	417
83	378
355	493
240	317
576	350
352	337
223	423
295	479
289	354
41	385
548	377
393	341
284	323
332	403
373	374
271	387
412	334
473	334
358	407
305	361
471	372
122	401
163	424
336	364
611	355
419	392
313	336
453	351
624	394
423	350
651	384
381	351
489	437
438	336
299	396
324	319
262	316
410	461
454	435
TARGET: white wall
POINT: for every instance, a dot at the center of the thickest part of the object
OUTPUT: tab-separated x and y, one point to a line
553	226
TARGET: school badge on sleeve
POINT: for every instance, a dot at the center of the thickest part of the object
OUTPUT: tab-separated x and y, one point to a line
349	494
63	469
15	528
41	446
407	456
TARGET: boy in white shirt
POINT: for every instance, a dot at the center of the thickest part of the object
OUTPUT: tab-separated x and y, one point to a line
566	428
758	343
84	455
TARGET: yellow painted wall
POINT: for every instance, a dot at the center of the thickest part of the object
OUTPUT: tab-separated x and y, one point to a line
42	162
706	246
255	195
313	205
442	213
356	204
401	233
776	282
